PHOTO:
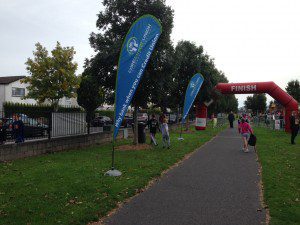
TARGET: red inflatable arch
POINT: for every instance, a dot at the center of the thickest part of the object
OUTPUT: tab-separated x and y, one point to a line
270	88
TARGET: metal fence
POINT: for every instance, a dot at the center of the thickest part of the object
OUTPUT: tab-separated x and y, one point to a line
271	123
68	124
18	127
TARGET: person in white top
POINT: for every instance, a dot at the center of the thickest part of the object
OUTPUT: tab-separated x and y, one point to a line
165	134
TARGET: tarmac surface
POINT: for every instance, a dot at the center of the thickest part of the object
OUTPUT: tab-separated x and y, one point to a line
217	185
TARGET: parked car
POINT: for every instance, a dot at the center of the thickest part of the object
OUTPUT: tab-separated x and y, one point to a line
142	117
101	121
31	128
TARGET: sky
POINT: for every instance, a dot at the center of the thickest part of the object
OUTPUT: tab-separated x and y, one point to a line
256	40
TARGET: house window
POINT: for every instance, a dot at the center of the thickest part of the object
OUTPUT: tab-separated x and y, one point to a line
18	92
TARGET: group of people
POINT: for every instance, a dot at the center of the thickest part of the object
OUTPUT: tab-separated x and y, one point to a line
161	125
17	128
246	130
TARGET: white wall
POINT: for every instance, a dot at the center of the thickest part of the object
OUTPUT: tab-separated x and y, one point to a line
2	96
10	98
6	95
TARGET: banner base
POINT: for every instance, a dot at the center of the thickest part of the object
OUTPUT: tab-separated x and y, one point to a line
180	139
113	173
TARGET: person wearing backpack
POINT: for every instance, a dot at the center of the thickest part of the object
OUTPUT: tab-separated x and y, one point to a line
245	130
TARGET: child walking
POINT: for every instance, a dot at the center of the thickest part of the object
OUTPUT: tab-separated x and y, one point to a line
165	134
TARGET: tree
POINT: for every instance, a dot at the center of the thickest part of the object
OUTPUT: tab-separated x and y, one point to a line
257	103
113	24
52	77
190	59
293	89
89	96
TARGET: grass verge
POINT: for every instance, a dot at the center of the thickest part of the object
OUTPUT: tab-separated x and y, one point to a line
70	187
280	174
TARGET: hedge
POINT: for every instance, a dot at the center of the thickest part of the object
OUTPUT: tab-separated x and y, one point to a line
34	111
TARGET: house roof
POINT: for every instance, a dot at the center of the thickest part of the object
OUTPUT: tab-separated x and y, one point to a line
8	80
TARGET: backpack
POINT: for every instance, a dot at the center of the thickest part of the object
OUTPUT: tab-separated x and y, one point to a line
252	140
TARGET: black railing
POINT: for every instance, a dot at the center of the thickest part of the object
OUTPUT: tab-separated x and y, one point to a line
18	127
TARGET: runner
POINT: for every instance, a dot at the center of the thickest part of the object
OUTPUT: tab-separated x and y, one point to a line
245	130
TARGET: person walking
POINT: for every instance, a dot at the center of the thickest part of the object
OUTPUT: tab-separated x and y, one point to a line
2	133
153	125
165	133
245	130
18	129
294	123
231	119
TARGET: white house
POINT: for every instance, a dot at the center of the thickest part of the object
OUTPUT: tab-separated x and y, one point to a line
12	90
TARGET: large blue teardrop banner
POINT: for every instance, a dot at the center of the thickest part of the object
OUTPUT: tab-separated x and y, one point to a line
135	54
191	93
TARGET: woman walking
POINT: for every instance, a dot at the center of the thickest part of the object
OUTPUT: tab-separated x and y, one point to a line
245	130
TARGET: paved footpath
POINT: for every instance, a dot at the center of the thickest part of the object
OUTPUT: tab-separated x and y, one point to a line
217	185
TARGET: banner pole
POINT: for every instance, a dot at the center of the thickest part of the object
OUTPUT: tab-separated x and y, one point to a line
113	154
181	131
113	172
180	138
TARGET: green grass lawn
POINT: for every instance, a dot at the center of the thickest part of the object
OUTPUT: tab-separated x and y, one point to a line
281	169
70	187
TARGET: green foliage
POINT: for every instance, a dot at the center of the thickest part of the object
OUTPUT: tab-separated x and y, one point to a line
280	175
71	188
188	62
225	103
108	113
113	24
52	77
34	111
169	70
257	102
90	95
191	59
293	89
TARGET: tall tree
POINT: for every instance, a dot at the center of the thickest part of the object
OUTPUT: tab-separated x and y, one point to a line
89	96
257	103
293	89
113	24
190	59
52	77
187	63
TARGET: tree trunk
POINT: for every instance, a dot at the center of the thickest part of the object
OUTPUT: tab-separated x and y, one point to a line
55	105
187	124
178	111
135	135
88	120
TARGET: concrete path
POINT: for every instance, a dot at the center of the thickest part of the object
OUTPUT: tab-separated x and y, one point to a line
217	185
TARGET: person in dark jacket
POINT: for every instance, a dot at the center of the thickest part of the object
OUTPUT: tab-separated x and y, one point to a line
153	126
231	119
294	123
18	129
2	133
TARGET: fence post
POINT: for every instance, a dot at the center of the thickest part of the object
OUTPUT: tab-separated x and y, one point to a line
49	126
